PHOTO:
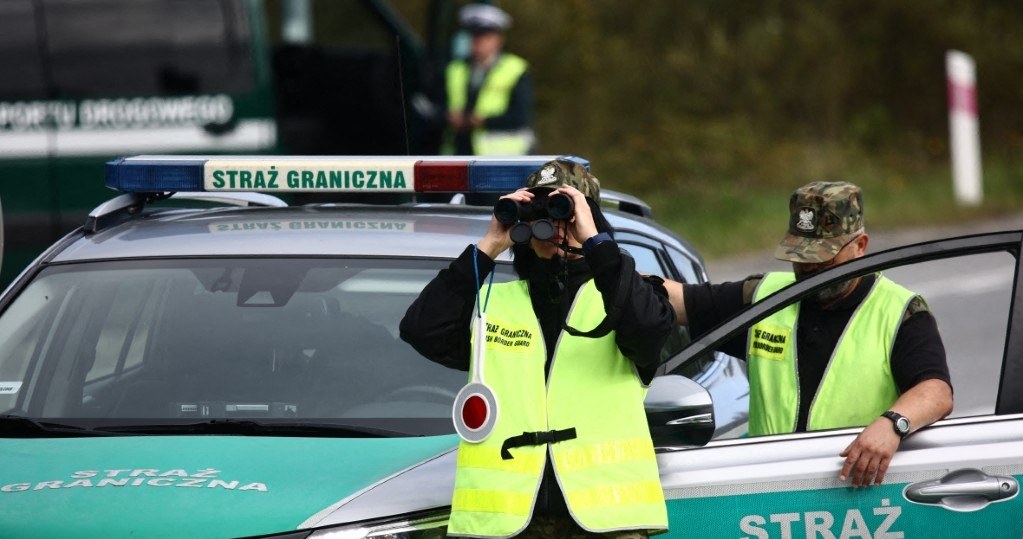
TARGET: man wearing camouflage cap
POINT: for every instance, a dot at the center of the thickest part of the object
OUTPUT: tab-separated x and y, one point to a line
864	352
588	332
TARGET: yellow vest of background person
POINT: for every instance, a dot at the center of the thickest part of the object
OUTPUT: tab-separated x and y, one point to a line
492	101
858	385
608	472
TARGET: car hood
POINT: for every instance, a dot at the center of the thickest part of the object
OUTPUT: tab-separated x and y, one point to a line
192	486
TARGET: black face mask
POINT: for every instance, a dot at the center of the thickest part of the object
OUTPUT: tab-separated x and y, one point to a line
832	292
828	293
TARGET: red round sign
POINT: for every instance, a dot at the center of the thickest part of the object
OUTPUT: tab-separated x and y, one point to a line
474	412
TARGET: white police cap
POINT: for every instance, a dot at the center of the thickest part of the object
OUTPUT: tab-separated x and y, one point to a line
484	18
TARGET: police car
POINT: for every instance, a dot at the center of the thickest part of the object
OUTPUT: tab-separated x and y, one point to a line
232	367
235	371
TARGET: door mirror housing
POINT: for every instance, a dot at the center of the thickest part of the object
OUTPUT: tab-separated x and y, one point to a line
680	413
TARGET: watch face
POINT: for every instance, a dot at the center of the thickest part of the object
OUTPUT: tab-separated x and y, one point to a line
902	424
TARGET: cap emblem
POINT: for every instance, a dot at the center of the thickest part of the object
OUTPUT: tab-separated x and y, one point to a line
547	176
806	218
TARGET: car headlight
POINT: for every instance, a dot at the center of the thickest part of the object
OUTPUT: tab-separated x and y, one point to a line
431	525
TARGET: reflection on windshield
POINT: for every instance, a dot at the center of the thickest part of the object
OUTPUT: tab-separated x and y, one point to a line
199	339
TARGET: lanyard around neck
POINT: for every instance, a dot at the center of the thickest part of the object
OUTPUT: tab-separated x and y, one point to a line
476	273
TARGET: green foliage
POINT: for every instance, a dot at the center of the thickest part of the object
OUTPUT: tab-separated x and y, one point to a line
714	111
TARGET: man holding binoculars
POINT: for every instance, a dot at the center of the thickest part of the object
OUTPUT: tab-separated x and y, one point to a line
533	218
569	387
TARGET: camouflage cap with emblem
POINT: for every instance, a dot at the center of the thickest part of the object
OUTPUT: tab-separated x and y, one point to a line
823	218
565	172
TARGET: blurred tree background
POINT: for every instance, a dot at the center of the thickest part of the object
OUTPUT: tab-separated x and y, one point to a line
714	111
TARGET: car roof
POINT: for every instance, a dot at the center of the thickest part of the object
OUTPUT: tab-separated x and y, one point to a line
408	230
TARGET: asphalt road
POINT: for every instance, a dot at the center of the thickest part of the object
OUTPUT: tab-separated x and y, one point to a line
969	297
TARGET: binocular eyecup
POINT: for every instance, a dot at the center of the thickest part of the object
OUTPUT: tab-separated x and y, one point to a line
540	211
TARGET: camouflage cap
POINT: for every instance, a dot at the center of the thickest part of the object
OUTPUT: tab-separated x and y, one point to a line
566	172
823	218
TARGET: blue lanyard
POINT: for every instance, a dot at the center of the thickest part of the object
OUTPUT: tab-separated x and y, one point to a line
476	272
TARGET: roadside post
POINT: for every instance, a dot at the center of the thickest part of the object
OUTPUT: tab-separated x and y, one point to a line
964	129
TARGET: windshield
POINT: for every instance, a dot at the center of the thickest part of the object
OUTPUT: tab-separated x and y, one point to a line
184	341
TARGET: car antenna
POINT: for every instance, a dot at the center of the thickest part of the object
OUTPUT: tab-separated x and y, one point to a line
404	110
401	91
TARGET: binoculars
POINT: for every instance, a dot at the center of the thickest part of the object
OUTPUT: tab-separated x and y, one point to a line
541	210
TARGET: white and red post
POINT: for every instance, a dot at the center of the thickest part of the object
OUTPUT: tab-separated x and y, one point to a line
964	131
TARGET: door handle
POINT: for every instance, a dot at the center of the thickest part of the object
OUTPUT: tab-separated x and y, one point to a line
968	489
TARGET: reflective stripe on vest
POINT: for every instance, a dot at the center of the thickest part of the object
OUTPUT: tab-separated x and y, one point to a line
493	99
608	473
857	385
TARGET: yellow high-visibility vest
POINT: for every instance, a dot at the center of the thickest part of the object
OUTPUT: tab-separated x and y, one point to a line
608	473
493	99
858	385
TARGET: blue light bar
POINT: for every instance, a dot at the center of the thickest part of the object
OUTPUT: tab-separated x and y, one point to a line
142	175
323	174
500	176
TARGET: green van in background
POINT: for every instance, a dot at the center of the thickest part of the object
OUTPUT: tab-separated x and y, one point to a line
87	80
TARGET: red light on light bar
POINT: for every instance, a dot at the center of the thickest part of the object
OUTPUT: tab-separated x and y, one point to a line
442	176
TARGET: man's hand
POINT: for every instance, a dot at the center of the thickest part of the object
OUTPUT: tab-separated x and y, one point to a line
868	456
457	121
496	240
581	226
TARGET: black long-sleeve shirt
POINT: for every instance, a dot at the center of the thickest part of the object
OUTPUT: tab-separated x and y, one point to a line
437	322
917	354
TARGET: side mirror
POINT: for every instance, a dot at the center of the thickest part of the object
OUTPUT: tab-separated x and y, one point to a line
680	413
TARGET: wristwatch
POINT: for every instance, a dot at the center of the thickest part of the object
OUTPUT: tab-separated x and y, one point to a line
899	422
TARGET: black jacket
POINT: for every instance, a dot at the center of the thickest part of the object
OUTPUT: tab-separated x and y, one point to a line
437	323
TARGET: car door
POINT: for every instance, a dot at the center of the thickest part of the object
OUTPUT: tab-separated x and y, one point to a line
957	478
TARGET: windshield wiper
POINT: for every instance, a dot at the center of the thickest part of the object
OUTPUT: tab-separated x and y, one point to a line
16	426
247	427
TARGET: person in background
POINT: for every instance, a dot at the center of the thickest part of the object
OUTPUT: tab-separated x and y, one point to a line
489	95
570	454
864	352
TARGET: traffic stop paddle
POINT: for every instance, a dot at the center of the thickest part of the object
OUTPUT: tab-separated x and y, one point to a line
475	410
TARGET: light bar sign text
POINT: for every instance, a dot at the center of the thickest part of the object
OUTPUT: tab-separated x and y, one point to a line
323	176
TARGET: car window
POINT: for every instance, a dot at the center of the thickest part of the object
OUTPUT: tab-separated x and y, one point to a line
689	269
646	258
295	338
970	298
